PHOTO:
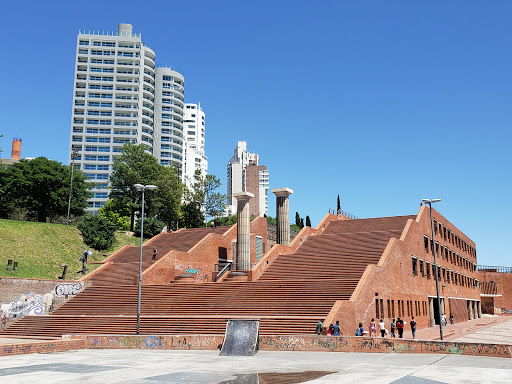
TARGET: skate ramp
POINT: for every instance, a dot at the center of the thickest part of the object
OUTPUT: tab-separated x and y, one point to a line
241	338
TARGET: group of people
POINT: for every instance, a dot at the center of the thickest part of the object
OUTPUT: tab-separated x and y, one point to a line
333	330
396	327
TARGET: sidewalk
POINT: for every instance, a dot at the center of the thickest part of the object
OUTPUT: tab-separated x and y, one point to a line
490	329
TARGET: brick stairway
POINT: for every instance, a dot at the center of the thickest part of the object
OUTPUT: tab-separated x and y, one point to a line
342	251
290	297
124	267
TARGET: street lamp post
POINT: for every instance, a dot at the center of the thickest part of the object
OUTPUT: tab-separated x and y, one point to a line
429	202
142	188
74	155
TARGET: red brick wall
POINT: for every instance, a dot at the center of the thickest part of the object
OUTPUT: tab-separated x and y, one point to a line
252	185
503	283
392	279
10	288
201	259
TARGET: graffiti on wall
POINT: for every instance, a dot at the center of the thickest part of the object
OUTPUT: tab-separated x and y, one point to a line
68	289
199	273
155	342
30	304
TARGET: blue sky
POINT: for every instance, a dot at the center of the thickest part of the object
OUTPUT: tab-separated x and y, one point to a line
381	102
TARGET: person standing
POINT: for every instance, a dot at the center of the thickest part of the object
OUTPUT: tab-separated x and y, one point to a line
393	326
319	327
413	327
360	330
400	328
373	328
451	318
337	328
382	328
154	256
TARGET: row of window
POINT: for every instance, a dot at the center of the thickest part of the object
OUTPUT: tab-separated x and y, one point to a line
414	308
449	255
96	176
451	237
96	167
97	52
447	275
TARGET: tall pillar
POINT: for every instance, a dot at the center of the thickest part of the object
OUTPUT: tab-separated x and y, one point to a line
475	310
479	304
470	310
243	227
442	306
282	215
431	312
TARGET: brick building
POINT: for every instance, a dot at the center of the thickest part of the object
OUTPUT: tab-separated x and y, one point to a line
496	289
344	269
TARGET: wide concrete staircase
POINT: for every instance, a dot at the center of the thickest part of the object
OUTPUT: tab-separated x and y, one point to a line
290	297
342	252
123	268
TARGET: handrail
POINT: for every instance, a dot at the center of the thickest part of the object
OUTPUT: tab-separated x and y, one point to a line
344	213
224	270
492	268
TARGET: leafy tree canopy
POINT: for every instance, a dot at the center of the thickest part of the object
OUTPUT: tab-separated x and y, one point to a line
40	187
136	166
97	231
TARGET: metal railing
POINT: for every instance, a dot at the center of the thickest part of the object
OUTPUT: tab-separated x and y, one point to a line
227	267
344	213
492	268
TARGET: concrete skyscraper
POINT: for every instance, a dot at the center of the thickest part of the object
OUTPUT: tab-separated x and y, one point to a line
245	175
120	96
194	130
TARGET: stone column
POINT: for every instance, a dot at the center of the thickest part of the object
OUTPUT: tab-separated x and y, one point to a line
243	228
282	215
470	310
431	312
479	304
475	310
442	307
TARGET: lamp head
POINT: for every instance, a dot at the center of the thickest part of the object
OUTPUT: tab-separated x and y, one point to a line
150	187
138	187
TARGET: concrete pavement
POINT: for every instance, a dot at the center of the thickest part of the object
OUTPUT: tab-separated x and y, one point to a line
207	367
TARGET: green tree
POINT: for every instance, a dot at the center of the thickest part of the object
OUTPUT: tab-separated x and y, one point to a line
297	219
203	199
338	205
40	187
227	220
117	212
192	215
308	221
301	223
136	166
168	196
152	227
97	231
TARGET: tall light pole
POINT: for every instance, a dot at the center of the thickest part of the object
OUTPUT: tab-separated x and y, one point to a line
429	202
142	188
74	155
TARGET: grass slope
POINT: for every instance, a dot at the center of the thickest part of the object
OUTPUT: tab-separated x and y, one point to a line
40	249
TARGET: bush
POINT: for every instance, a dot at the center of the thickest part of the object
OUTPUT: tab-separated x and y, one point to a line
97	232
152	227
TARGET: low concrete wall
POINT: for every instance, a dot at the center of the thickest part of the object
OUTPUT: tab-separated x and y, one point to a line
375	344
299	343
206	342
41	347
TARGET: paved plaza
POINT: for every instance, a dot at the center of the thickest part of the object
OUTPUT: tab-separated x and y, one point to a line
202	367
268	367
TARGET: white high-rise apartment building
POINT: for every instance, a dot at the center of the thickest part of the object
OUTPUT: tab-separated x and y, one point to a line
245	175
119	97
194	130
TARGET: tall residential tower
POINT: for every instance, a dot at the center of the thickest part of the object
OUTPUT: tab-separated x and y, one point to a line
245	175
120	96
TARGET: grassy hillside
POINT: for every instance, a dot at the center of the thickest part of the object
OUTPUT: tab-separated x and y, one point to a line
40	249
